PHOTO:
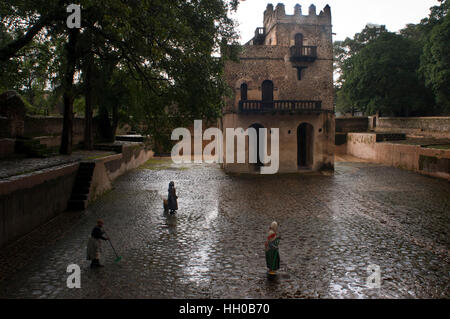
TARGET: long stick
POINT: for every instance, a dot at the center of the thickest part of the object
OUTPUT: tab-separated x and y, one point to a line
109	240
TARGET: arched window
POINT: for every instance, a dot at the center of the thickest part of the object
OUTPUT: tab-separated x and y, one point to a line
299	40
267	91
244	89
267	94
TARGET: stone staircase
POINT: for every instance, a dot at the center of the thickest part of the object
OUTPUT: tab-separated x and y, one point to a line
80	191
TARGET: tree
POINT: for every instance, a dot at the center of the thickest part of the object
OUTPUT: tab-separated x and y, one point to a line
383	78
343	62
435	60
172	50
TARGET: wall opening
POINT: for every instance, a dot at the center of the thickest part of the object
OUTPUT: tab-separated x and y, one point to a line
267	94
305	132
244	90
259	136
299	40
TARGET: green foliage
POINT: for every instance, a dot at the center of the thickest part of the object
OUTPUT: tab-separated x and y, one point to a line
156	64
435	62
402	75
383	78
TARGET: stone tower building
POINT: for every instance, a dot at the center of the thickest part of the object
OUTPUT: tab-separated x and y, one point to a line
285	80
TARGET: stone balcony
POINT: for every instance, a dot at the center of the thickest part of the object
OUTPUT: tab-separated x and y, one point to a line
288	106
303	53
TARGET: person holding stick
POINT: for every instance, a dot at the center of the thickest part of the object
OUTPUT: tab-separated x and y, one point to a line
94	246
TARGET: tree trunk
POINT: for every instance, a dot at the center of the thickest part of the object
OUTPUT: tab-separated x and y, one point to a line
115	120
67	133
88	134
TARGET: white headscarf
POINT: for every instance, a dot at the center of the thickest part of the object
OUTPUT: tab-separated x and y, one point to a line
273	228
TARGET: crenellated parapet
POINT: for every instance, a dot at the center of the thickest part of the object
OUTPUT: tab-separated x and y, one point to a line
278	14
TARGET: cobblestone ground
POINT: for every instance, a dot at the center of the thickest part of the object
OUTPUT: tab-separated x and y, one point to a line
332	228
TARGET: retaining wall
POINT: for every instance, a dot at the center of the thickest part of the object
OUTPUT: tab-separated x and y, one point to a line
107	169
28	201
427	161
424	126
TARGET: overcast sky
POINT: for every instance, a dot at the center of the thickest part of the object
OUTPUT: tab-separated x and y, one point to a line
348	16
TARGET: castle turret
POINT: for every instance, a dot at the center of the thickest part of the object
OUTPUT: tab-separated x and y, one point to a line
298	10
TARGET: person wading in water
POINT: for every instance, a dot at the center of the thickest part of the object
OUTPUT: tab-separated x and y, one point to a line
172	198
94	247
272	253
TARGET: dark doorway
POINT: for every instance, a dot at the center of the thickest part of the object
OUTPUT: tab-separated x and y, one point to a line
305	133
244	89
256	126
267	94
299	40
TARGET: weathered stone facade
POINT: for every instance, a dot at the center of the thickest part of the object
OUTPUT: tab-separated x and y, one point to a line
285	79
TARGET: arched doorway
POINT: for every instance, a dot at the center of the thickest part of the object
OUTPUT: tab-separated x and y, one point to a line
259	136
305	132
267	94
244	89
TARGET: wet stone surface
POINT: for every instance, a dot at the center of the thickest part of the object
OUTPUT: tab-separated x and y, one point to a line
332	228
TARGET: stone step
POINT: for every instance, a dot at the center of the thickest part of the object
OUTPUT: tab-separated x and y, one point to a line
84	178
80	190
79	197
81	184
76	205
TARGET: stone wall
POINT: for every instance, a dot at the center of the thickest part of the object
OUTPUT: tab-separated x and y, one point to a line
107	169
352	124
29	201
7	146
49	125
4	127
424	126
322	140
12	112
260	63
428	161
